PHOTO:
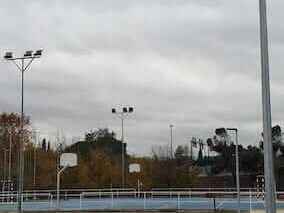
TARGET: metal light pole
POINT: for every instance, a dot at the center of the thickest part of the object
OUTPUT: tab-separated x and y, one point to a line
5	163
29	56
237	166
35	138
266	112
122	115
171	127
34	166
10	153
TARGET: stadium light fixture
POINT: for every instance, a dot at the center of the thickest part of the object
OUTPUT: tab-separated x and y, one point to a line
24	63
122	115
28	54
38	53
8	55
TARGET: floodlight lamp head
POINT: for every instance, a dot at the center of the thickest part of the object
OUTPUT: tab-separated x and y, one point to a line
28	53
124	109
38	53
220	131
130	109
113	110
232	129
8	55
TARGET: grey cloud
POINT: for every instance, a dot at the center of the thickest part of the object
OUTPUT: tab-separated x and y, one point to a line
191	63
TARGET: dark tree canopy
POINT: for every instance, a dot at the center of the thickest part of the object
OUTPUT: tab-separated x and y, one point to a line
100	139
276	139
43	144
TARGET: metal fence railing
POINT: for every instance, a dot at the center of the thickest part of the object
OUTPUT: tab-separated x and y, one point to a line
130	199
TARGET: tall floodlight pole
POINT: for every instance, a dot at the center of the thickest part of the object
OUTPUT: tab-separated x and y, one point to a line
237	167
5	163
29	56
266	112
34	173
171	127
10	153
35	146
122	115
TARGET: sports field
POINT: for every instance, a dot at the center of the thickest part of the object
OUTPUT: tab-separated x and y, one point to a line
189	203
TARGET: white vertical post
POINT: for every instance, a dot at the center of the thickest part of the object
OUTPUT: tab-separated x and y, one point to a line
250	204
178	200
51	200
144	200
112	200
58	186
122	154
266	111
138	187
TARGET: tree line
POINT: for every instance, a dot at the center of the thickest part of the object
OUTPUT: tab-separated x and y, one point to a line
99	156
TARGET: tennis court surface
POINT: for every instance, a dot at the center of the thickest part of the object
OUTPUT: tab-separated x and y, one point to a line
131	200
192	203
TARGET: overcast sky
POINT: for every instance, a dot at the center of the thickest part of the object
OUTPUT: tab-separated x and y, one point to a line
191	63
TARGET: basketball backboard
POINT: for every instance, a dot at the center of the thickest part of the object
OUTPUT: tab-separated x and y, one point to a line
134	167
68	159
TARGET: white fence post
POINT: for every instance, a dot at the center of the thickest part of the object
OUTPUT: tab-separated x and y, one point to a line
51	199
178	200
144	200
112	200
250	204
81	200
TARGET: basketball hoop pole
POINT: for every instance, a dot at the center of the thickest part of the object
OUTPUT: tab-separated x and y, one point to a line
58	185
66	160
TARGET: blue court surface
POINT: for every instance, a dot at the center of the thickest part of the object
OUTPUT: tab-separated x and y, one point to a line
188	203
